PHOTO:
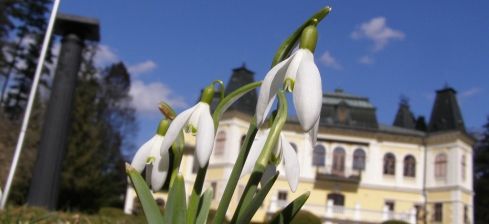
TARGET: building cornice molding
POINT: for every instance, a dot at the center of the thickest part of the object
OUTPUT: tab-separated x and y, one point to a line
391	188
450	188
448	137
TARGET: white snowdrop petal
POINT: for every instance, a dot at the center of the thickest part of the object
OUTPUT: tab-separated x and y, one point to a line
292	166
308	92
205	137
175	128
268	90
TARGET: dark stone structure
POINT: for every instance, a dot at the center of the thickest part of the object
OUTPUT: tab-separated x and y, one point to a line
247	103
44	186
341	109
404	117
446	113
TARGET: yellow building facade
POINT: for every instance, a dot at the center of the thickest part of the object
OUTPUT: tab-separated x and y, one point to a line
359	171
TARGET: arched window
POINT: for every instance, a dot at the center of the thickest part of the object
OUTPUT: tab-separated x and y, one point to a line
338	199
220	142
440	165
389	164
318	155
339	161
464	167
359	159
409	166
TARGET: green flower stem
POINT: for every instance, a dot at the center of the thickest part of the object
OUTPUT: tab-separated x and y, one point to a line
263	159
274	133
193	206
177	149
238	166
289	44
236	173
222	87
151	210
230	99
257	200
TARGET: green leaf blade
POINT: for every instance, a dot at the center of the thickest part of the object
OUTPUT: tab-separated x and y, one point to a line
288	213
150	208
205	205
257	201
176	211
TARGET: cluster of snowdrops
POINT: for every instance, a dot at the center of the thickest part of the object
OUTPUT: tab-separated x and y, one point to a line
293	70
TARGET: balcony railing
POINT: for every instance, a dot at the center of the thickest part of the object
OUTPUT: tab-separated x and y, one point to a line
338	173
333	212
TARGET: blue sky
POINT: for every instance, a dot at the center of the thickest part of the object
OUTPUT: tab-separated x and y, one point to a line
376	49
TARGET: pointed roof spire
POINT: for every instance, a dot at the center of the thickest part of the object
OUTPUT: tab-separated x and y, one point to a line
446	113
404	117
241	77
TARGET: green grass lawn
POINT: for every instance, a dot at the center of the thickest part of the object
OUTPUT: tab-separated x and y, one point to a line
40	215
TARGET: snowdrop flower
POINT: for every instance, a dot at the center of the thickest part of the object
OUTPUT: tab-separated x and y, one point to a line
154	158
299	75
198	121
282	151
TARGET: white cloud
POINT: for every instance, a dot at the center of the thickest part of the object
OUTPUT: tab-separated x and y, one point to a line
366	60
377	31
105	55
470	92
329	61
145	97
141	68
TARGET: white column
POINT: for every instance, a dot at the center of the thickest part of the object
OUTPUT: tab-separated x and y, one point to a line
306	148
128	204
399	169
412	216
232	145
374	164
273	204
358	212
385	213
453	166
329	210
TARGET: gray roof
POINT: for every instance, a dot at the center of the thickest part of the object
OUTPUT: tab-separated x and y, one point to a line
400	130
381	128
333	98
446	113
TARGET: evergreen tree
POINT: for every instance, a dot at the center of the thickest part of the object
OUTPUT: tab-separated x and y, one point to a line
9	133
93	173
6	26
23	53
481	176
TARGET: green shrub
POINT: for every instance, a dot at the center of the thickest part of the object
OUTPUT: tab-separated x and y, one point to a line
394	222
305	217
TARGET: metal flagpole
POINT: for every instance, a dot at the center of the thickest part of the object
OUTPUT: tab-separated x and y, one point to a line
28	109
